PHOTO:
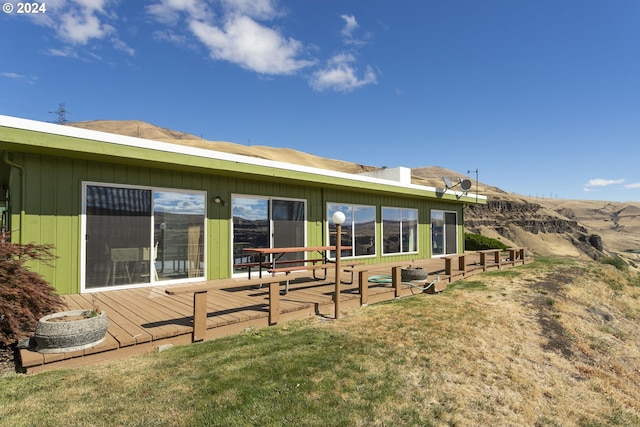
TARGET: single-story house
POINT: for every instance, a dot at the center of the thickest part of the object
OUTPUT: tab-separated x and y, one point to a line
126	212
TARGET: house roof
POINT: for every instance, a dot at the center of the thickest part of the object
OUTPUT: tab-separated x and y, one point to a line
22	135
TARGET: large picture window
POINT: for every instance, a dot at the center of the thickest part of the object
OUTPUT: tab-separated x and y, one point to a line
444	233
358	230
137	236
399	230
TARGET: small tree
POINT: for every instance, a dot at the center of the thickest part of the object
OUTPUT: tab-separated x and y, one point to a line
24	295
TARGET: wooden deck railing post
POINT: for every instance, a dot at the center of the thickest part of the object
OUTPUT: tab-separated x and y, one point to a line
462	264
496	258
363	283
448	270
396	279
274	303
199	316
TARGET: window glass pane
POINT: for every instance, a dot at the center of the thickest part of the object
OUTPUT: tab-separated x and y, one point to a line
178	234
347	228
288	225
118	236
364	230
437	232
451	233
409	230
391	230
250	228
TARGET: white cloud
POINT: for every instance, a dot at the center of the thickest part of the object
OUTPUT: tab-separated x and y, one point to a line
350	25
257	9
593	184
252	46
20	77
122	46
340	75
170	11
236	35
65	53
632	186
80	24
348	32
599	182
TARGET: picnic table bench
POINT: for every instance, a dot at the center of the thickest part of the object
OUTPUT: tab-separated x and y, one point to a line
288	266
517	254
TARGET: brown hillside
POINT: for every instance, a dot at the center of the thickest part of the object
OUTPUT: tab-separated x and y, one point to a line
549	227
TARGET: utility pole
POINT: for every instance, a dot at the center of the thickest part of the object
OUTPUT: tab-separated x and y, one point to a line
62	114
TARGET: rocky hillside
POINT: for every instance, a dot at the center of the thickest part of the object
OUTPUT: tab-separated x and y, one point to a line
549	227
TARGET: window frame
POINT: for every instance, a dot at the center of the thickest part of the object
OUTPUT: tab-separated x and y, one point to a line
330	208
402	228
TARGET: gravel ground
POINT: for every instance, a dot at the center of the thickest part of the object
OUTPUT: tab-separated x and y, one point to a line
7	360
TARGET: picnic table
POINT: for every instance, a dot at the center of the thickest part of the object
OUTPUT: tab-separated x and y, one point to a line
278	265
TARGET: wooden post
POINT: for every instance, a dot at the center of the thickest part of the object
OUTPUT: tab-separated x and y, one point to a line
363	283
447	266
274	302
396	278
199	316
496	258
338	250
462	264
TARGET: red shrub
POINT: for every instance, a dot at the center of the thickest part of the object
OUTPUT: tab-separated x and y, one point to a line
24	295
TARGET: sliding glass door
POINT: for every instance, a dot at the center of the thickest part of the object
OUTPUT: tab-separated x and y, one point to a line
444	233
261	222
138	236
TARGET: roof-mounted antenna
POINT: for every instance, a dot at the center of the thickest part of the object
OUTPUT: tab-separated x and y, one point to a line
465	185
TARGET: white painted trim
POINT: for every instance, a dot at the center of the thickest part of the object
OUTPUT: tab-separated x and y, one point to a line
128	141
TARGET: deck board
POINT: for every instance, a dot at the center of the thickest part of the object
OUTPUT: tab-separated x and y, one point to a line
142	319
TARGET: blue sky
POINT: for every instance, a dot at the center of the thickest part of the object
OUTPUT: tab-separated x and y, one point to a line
542	97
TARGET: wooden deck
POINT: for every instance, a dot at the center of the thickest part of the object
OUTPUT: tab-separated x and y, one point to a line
147	319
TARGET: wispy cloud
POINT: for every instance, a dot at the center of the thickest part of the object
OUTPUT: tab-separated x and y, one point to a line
632	186
340	72
341	75
595	184
350	25
352	34
599	182
20	77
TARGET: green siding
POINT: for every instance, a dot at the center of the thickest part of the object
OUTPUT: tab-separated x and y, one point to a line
53	198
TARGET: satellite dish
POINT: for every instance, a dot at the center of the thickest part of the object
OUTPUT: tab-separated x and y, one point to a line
447	182
465	184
